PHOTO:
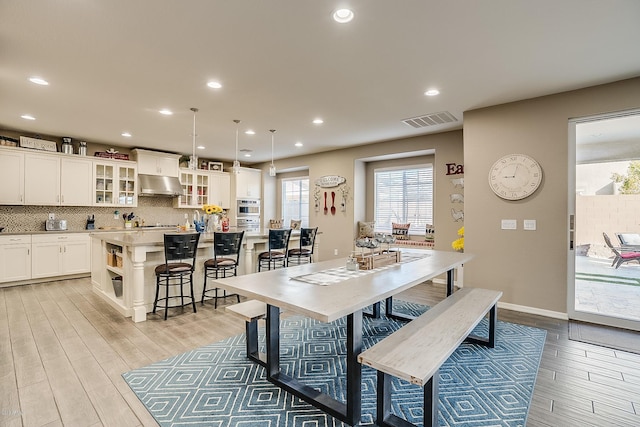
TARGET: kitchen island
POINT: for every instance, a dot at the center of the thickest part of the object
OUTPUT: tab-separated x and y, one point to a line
123	263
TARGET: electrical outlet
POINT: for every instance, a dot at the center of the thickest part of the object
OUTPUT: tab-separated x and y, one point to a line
52	215
335	252
186	216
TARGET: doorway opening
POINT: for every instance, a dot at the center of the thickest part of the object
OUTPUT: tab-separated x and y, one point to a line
603	288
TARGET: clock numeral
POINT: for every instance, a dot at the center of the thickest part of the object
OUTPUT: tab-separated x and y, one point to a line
514	194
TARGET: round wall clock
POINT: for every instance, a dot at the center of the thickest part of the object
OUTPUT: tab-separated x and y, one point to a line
515	176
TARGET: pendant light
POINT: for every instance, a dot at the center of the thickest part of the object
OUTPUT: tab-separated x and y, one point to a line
193	160
272	168
236	163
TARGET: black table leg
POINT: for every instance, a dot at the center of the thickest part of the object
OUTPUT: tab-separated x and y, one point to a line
349	412
449	282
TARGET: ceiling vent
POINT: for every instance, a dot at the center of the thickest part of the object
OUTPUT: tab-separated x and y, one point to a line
432	119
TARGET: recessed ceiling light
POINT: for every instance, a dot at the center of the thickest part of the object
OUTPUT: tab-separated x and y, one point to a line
200	147
214	85
28	117
318	121
432	92
342	16
166	112
126	134
39	81
250	132
298	144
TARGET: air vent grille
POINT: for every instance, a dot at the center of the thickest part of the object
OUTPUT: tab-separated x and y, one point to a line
432	119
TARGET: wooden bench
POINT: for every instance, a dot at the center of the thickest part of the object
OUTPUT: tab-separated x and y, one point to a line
251	311
416	351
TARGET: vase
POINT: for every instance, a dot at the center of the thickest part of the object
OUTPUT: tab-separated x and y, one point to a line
213	223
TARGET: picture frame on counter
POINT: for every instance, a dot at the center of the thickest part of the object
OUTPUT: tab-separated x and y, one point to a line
215	166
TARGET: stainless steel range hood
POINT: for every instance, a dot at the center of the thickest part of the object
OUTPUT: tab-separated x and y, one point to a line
156	185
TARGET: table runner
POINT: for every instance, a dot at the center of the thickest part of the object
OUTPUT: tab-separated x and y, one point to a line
336	275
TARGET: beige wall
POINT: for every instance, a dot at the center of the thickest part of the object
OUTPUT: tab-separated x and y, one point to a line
338	231
530	267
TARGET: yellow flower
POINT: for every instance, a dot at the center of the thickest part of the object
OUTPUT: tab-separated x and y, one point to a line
458	244
211	209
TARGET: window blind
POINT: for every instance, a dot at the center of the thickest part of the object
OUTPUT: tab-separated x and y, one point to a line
403	195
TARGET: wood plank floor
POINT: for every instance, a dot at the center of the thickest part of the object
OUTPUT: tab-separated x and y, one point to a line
63	350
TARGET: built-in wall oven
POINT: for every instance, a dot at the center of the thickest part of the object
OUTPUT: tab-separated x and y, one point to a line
248	207
248	214
248	223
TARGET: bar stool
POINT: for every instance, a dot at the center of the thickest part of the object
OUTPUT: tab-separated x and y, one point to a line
178	249
277	253
305	251
226	255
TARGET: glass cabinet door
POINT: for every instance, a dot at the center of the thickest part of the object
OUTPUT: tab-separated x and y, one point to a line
186	199
103	191
202	189
126	186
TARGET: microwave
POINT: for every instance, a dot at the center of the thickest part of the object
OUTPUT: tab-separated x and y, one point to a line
248	207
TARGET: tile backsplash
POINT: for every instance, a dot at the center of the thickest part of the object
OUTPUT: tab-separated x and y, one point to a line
153	210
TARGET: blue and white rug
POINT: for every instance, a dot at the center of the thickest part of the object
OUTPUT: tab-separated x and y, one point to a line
217	385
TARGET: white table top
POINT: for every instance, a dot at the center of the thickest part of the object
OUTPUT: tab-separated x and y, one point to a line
331	302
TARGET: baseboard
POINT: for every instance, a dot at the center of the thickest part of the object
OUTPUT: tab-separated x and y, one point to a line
533	310
521	308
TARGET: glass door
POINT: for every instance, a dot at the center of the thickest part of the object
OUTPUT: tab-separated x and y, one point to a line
103	189
604	162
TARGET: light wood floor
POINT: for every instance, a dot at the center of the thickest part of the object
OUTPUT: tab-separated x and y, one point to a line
63	350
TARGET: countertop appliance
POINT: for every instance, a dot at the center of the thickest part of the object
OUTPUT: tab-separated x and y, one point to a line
55	225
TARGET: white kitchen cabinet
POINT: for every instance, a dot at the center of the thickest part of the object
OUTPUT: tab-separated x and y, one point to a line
41	179
195	189
60	254
12	177
57	180
220	189
75	181
156	163
15	258
247	184
114	183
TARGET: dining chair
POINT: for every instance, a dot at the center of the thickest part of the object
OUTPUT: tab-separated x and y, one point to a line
305	251
621	256
226	256
276	255
177	270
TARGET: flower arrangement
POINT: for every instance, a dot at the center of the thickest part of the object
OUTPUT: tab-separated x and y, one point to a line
458	244
212	209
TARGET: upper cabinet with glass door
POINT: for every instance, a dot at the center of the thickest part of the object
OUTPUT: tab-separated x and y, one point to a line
115	183
195	189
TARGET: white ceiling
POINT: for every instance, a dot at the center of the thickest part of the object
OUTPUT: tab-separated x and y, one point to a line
112	64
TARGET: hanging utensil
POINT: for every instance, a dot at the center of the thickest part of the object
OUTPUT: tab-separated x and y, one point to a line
325	203
333	203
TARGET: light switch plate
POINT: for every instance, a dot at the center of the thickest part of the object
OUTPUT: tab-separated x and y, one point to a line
52	216
509	224
529	224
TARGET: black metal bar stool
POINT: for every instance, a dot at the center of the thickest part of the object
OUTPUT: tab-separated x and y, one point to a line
176	271
276	256
305	251
226	255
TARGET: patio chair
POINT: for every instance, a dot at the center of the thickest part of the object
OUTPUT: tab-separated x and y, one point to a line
621	256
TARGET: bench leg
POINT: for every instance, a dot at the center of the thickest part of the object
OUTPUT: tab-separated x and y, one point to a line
383	398
252	342
491	340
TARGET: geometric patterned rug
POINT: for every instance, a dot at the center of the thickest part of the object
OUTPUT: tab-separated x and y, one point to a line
216	385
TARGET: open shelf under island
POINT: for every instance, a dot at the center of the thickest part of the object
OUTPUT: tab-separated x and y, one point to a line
140	252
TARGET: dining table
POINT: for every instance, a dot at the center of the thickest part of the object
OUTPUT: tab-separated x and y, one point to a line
327	291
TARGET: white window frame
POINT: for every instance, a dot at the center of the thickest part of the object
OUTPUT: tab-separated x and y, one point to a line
418	224
303	205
